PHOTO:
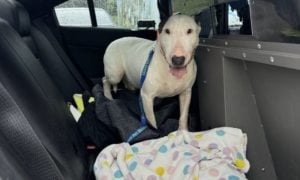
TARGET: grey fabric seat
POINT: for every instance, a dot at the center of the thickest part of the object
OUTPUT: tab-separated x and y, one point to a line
39	138
49	53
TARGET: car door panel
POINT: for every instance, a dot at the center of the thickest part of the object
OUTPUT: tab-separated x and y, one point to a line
251	81
86	45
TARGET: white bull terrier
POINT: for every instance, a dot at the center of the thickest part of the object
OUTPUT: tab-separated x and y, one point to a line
171	72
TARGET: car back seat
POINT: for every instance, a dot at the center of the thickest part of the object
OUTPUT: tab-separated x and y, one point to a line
45	48
39	137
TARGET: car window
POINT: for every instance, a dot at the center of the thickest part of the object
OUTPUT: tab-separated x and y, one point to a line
232	18
109	13
276	20
127	13
228	17
190	7
235	22
73	13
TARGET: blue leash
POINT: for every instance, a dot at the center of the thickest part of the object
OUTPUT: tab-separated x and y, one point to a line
143	116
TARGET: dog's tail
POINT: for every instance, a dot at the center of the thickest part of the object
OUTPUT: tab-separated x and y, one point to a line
115	88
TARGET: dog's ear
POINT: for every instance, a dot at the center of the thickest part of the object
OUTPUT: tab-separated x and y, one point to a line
198	24
162	24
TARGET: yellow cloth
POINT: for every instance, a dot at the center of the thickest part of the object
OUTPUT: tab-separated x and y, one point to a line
79	101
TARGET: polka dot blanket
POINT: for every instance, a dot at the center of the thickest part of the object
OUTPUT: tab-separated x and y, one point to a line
217	154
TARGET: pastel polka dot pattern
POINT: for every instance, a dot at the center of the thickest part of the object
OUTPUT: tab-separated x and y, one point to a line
188	154
163	149
160	171
194	143
171	170
180	155
239	156
220	132
198	136
128	156
186	169
239	163
233	177
148	162
104	178
213	146
105	163
135	149
151	177
214	172
171	135
118	174
226	150
175	155
197	158
133	166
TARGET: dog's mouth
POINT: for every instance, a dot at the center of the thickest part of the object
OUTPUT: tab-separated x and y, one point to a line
178	72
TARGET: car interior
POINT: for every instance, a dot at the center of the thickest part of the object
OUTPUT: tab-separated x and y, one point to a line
248	76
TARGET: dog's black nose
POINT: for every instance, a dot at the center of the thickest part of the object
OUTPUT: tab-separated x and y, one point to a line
178	60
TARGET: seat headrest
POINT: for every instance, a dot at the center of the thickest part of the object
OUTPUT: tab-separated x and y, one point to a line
16	15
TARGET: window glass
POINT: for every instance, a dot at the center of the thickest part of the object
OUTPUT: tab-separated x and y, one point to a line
276	20
232	18
190	7
73	13
127	13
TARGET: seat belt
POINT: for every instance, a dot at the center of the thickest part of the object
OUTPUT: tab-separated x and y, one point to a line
143	118
27	148
40	24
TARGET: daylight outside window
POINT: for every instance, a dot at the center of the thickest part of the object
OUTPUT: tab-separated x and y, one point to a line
109	13
126	13
234	21
73	13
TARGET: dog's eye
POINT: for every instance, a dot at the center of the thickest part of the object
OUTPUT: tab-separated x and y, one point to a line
167	31
189	31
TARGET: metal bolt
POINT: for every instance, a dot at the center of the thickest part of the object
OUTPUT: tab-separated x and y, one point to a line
263	169
223	52
226	43
259	46
272	59
244	55
208	49
204	82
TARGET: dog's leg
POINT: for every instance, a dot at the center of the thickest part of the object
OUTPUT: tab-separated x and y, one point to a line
185	100
148	108
107	88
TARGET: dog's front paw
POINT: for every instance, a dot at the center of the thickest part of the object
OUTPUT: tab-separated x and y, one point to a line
183	127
